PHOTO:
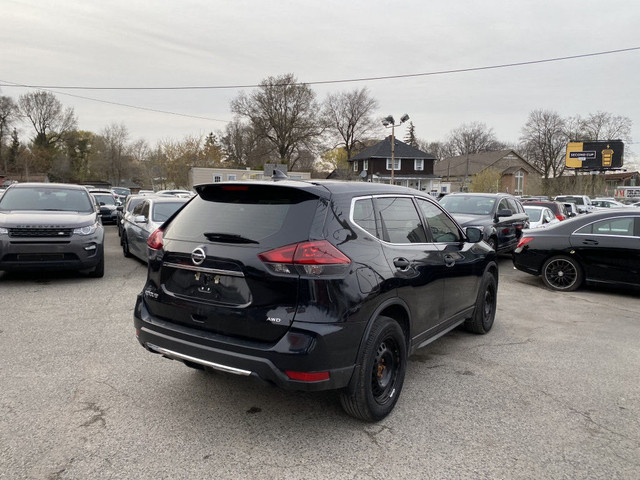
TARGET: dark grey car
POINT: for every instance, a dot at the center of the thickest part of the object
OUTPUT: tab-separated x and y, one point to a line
500	216
46	226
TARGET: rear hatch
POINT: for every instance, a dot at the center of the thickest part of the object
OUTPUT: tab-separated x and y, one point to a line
209	274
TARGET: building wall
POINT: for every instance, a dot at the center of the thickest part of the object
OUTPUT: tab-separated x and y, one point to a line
199	175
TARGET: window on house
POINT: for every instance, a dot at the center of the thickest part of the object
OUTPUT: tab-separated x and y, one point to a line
365	164
231	176
418	164
519	182
396	164
217	178
355	166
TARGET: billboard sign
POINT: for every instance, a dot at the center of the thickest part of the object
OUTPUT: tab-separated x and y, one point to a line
597	155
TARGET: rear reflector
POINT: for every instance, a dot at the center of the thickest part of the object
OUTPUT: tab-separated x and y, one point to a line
307	376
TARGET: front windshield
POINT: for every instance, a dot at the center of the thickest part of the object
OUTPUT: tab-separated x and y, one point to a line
534	214
45	198
468	204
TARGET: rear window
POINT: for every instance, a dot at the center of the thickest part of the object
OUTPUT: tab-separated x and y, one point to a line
252	212
534	214
162	211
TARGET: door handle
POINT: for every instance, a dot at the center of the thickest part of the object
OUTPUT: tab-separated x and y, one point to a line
589	242
449	261
402	264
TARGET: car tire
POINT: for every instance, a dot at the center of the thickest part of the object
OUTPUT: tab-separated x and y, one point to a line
98	271
484	312
379	378
562	273
493	243
125	245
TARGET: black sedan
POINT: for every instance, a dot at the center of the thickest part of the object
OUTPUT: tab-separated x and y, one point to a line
500	216
602	247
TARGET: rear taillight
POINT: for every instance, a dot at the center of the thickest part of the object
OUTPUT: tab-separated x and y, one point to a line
312	258
155	240
523	241
560	217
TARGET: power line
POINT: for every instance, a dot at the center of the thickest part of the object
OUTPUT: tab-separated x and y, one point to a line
327	82
108	102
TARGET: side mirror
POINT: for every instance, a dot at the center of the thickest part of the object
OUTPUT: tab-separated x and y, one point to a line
474	234
120	208
504	213
140	219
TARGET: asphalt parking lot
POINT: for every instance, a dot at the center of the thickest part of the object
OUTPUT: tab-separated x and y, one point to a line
551	392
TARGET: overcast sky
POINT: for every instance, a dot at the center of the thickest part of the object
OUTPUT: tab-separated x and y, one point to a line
240	42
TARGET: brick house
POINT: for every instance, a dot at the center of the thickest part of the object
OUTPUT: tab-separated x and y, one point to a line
515	172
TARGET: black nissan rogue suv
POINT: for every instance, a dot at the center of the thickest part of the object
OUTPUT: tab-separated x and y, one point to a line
313	285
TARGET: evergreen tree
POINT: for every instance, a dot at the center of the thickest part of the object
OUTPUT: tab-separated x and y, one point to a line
410	137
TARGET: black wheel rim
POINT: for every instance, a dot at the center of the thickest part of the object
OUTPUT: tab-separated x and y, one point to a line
489	305
561	274
385	370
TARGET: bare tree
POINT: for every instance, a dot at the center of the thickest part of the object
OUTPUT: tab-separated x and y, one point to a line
471	138
242	147
50	120
282	111
116	138
543	142
349	118
600	126
8	114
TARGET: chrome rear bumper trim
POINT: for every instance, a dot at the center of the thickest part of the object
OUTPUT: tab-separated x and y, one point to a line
180	356
195	268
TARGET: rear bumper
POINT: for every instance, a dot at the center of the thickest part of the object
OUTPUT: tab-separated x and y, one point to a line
305	348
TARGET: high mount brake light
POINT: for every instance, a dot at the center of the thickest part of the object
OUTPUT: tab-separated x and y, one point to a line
155	240
319	252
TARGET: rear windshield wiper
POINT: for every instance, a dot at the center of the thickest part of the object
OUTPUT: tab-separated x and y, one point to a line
227	238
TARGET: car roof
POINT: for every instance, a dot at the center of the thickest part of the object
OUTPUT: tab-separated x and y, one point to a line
49	185
480	194
572	224
324	188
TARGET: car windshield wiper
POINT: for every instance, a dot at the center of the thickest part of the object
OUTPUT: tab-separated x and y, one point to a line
227	238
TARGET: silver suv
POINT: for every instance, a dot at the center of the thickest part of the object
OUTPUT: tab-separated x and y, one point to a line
48	226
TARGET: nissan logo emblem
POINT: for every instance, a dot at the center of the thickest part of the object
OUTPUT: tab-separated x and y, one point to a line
198	256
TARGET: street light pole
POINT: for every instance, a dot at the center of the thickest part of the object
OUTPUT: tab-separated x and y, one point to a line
389	122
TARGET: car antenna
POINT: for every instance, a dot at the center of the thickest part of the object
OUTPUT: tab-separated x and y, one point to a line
278	175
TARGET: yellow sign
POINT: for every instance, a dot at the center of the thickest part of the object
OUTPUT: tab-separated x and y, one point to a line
573	161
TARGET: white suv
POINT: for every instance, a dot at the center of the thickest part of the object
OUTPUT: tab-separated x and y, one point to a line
582	202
